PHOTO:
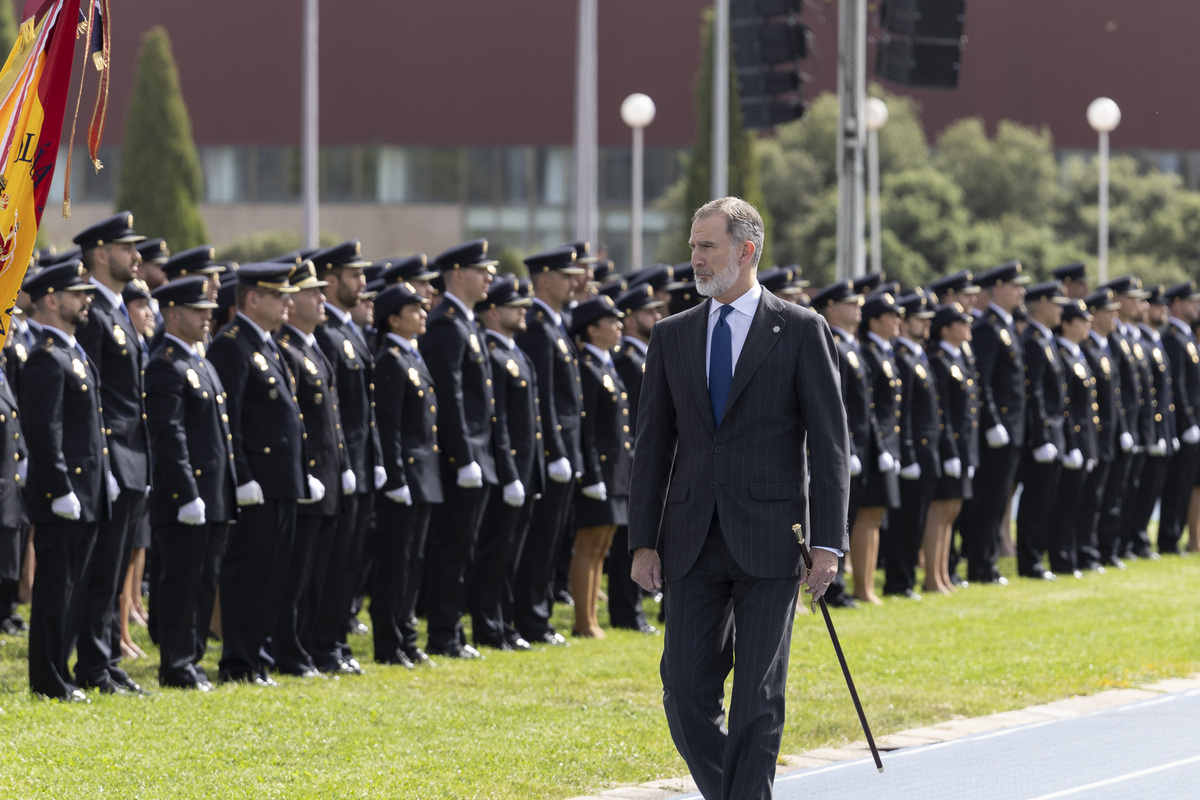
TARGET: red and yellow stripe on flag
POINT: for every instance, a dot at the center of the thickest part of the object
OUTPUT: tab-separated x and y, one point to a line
34	84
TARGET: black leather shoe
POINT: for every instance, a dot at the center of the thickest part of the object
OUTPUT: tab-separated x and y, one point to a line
463	651
72	696
1116	563
128	684
1040	575
397	660
552	638
105	685
343	668
199	686
502	645
419	658
517	643
907	593
11	626
224	677
563	597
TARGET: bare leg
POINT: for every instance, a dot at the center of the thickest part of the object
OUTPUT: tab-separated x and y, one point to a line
1007	546
583	579
138	565
129	648
864	552
931	544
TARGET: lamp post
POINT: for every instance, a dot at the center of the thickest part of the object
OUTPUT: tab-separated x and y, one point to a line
637	111
1104	116
876	118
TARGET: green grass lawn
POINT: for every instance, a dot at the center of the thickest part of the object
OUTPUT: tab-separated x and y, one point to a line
556	723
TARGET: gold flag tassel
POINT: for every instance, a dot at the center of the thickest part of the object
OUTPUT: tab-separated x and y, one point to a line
87	35
27	34
100	111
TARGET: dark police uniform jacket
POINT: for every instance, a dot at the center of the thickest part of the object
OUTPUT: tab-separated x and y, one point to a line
1001	367
12	450
519	453
1045	391
264	416
406	416
865	436
115	350
190	439
354	371
1129	393
1082	412
559	389
1108	411
453	349
924	427
606	434
1181	351
64	429
887	394
1162	389
317	394
630	360
958	398
1148	407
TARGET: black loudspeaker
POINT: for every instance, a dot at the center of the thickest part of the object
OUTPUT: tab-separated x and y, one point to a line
924	19
768	42
915	63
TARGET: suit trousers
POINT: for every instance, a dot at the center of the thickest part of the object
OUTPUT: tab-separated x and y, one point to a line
252	581
1154	480
63	551
99	652
532	599
287	635
185	553
1133	486
1112	501
332	617
983	513
1035	516
494	556
454	530
1176	493
906	531
1065	525
1087	540
705	606
624	595
399	528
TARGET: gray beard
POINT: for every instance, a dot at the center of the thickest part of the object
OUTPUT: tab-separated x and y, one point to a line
720	283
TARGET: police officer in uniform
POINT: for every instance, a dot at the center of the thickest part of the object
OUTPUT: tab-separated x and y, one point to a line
642	312
1045	449
1073	278
549	347
1160	454
920	466
1179	342
1080	419
14	519
520	468
66	491
269	458
1001	368
194	502
406	406
467	421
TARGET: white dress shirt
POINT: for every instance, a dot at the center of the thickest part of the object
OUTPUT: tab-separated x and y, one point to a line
738	321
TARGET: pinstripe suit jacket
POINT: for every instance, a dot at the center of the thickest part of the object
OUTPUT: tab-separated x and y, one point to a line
785	401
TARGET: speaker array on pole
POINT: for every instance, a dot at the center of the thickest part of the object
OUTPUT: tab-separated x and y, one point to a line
922	42
769	41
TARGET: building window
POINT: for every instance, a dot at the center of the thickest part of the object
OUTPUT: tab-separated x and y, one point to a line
224	173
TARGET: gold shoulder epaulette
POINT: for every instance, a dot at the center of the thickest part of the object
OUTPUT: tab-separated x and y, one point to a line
232	333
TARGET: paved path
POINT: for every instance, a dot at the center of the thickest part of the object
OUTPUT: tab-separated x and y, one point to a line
1117	744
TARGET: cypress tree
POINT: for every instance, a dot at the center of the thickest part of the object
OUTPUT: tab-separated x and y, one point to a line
8	28
161	180
744	177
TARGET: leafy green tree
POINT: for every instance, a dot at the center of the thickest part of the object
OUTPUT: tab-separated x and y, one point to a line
744	181
8	28
161	180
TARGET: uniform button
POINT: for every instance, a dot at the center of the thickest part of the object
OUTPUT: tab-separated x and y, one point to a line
198	473
435	448
78	470
716	449
143	416
104	451
224	418
625	428
433	409
229	437
538	436
451	459
603	457
312	462
174	496
924	441
433	428
267	450
204	395
628	446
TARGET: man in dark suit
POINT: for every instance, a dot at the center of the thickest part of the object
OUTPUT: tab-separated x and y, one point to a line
67	491
269	459
520	468
1001	368
467	421
736	392
344	344
195	502
114	350
642	310
556	362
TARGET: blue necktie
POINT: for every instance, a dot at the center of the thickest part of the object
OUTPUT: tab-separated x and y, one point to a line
720	365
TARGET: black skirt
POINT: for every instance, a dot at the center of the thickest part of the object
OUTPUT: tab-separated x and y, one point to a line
591	513
882	490
948	488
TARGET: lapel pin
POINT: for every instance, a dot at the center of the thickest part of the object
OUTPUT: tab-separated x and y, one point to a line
776	329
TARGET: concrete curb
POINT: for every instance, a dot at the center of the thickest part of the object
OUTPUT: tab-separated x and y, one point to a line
932	734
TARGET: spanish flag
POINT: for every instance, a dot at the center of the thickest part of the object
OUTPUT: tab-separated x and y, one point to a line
34	85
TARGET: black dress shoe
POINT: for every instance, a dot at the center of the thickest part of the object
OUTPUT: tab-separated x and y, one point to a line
397	660
105	685
11	626
463	651
552	638
907	593
225	676
563	597
501	645
517	643
1040	575
128	684
72	696
1116	563
418	657
199	686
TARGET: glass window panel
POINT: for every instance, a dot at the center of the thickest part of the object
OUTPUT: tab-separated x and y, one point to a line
444	176
553	175
224	173
337	173
515	174
616	182
481	175
394	175
278	174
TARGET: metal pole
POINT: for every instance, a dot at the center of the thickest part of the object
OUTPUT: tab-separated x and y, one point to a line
586	117
852	35
310	124
873	191
635	246
1102	244
720	119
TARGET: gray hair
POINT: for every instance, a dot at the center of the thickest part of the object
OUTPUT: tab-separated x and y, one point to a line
743	222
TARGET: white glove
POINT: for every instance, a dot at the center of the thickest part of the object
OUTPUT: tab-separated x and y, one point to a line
1159	448
855	467
380	477
559	471
470	476
316	492
997	437
971	473
1126	442
192	513
403	495
1045	454
886	463
952	467
912	472
596	491
514	494
1175	444
349	482
1090	465
114	489
66	506
22	471
250	494
1073	460
1191	435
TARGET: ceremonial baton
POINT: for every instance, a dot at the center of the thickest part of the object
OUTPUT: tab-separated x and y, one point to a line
862	717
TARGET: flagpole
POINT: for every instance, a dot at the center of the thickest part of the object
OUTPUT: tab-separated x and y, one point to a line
310	124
